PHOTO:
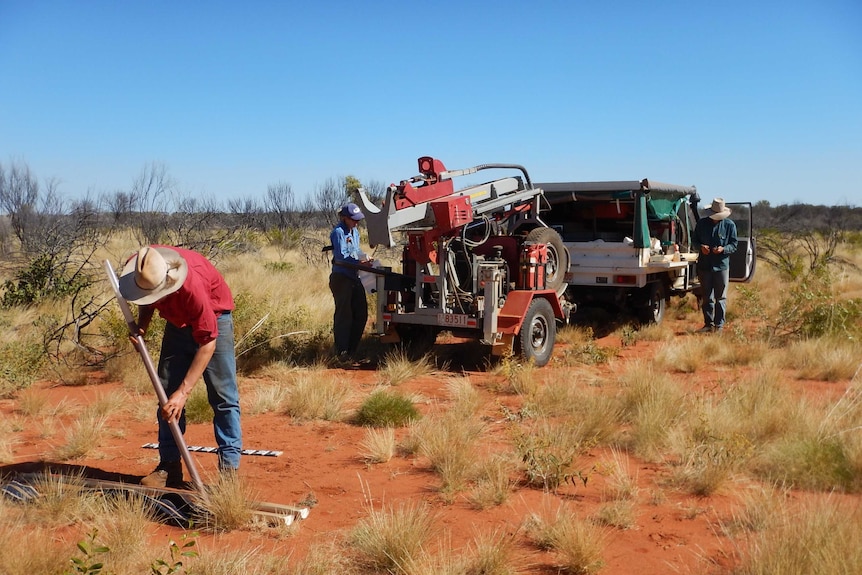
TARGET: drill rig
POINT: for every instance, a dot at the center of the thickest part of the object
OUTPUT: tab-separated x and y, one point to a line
476	261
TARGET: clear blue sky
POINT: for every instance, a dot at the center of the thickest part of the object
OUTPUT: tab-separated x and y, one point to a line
749	100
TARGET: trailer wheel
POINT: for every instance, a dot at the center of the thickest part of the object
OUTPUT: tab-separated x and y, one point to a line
656	304
558	257
538	333
416	340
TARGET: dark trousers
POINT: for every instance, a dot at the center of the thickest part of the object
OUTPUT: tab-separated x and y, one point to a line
351	312
714	303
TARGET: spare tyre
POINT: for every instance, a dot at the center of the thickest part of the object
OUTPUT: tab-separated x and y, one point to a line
558	258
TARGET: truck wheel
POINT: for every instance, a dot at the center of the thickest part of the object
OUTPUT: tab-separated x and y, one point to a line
656	305
538	332
558	257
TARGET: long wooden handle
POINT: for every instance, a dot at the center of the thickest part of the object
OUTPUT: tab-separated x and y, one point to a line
154	378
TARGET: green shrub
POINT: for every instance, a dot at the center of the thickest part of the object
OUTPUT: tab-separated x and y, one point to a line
43	278
279	267
386	409
21	363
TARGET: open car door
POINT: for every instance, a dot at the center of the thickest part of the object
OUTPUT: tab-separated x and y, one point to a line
743	261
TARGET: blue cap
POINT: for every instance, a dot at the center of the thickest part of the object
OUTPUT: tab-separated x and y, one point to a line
352	211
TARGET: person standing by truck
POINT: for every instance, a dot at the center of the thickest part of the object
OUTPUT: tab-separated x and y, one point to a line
715	235
351	305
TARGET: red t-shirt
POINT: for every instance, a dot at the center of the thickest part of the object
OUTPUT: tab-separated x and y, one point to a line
199	301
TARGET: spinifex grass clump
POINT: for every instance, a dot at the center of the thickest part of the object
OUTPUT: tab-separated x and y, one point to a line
577	543
225	506
449	442
384	408
379	445
389	537
817	538
315	395
399	367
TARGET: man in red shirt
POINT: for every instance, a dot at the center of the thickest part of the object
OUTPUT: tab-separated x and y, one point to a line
193	298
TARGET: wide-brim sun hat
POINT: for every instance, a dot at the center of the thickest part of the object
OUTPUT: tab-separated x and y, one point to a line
718	211
153	273
352	211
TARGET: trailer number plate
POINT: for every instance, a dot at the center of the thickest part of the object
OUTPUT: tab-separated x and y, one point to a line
454	319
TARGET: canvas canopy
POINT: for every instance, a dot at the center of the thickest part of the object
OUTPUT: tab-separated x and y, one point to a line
658	201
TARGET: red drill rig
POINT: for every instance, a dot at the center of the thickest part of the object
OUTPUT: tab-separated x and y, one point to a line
476	261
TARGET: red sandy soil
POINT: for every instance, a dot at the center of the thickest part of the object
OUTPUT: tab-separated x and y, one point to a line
677	533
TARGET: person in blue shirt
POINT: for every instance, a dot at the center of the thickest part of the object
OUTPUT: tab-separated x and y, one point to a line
715	233
351	306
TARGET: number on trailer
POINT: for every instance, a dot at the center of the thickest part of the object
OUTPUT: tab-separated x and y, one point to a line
453	319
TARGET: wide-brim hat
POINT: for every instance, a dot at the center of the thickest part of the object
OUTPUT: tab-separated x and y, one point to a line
151	274
718	211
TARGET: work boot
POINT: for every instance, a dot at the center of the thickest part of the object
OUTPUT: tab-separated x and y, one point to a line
165	475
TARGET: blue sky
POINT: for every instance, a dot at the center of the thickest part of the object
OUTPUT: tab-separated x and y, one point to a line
754	100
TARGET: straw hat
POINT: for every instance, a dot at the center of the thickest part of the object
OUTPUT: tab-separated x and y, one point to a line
718	211
151	274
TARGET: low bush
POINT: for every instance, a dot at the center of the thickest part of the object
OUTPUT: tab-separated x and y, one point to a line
386	409
21	364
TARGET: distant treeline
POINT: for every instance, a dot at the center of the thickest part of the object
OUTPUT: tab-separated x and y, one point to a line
798	217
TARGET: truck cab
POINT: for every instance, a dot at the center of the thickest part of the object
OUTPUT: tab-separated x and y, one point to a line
630	243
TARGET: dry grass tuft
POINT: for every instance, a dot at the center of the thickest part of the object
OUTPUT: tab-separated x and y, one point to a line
25	551
620	485
449	442
389	538
321	559
577	543
120	520
819	537
128	369
494	481
397	367
61	501
759	507
521	378
686	356
225	506
653	332
317	396
651	404
268	397
465	398
619	514
31	403
823	359
379	445
82	437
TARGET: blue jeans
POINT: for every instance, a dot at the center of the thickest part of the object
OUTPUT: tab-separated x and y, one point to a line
178	349
714	302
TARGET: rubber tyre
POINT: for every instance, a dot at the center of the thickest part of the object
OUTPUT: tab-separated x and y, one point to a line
416	340
535	341
656	305
558	258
